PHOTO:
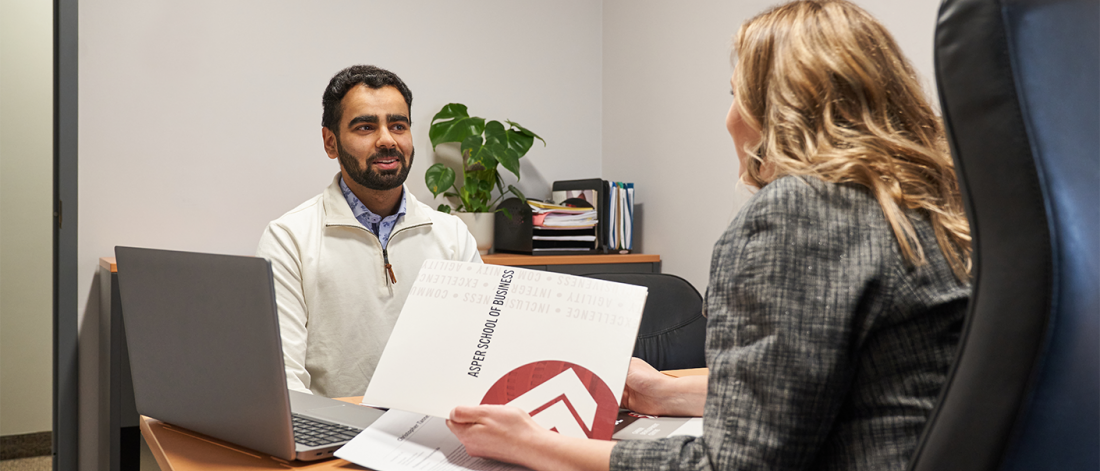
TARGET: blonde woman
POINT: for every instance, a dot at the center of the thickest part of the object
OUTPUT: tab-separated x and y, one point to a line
837	294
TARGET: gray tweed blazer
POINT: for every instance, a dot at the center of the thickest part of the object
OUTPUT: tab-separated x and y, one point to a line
826	349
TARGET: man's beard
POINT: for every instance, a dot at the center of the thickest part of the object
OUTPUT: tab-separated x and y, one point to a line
366	176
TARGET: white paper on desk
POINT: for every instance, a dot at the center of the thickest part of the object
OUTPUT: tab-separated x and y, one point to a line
556	345
635	427
406	441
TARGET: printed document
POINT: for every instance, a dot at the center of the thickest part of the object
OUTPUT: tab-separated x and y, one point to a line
633	426
406	441
557	346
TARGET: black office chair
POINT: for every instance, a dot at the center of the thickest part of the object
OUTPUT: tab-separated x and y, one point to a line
1019	85
673	331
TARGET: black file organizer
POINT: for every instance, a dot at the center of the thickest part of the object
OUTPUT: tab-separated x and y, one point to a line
599	186
514	234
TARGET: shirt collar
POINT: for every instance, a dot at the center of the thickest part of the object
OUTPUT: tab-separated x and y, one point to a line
363	214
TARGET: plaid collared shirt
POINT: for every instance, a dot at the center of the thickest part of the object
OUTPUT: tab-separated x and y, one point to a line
377	225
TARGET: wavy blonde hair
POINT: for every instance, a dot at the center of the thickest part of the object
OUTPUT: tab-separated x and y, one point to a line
832	96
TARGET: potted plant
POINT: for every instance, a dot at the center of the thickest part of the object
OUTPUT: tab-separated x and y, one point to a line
484	146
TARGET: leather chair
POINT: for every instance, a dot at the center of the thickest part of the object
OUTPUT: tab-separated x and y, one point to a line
673	331
1019	86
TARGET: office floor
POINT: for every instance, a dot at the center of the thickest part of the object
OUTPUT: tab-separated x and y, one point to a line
37	463
45	463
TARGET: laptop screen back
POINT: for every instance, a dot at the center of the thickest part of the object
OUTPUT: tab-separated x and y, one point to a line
203	337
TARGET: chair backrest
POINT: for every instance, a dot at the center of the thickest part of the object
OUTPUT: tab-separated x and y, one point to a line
1019	85
673	331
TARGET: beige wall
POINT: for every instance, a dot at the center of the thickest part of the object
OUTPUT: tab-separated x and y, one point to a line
665	96
26	192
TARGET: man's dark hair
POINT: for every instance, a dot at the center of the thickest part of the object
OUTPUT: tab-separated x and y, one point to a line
345	80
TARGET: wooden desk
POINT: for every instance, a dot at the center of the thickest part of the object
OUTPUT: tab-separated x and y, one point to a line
687	372
178	449
581	264
519	260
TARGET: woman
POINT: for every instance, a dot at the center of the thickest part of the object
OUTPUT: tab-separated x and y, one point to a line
836	295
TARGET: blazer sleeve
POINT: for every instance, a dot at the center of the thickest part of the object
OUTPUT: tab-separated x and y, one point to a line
279	246
785	287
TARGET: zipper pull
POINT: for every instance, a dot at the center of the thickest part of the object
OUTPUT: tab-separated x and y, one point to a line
389	268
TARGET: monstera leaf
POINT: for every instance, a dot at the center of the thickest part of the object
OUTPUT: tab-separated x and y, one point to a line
439	178
484	146
454	124
521	139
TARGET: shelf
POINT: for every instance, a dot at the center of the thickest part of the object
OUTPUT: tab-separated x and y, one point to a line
588	259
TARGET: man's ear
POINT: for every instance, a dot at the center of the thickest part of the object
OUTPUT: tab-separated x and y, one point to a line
329	139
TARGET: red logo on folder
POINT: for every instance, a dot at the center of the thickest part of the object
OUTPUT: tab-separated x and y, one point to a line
560	396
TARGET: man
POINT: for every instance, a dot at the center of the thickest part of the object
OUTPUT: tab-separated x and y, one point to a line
344	260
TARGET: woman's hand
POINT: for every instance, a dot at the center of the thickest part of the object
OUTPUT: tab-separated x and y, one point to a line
498	432
508	434
649	391
646	388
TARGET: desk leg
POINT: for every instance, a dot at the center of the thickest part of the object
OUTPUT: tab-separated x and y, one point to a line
125	439
155	447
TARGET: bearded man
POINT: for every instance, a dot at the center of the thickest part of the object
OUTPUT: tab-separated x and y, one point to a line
344	261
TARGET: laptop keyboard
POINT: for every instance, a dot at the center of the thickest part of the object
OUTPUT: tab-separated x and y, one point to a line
312	432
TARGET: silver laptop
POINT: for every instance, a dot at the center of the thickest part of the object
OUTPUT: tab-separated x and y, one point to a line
205	354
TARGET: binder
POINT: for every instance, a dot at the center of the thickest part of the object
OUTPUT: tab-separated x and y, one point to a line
620	216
